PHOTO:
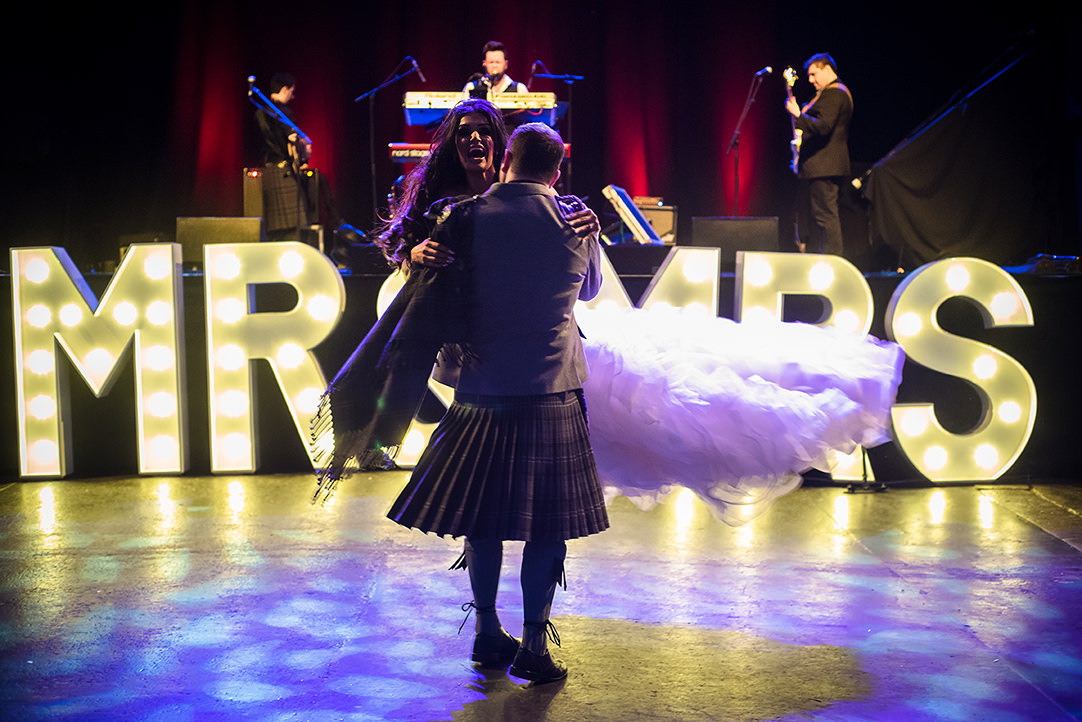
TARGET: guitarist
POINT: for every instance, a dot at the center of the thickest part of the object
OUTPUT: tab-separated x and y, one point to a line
824	148
285	153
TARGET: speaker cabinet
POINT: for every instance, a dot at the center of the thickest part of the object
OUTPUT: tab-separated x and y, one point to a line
735	234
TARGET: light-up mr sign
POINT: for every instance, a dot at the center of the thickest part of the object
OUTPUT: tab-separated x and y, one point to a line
55	310
236	336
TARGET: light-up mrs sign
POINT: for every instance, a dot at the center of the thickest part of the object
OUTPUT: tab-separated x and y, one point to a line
54	309
1008	395
1007	392
763	281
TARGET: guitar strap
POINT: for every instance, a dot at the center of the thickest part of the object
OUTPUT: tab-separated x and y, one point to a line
841	86
836	84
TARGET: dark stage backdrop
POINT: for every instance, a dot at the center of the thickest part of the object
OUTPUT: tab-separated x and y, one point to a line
118	121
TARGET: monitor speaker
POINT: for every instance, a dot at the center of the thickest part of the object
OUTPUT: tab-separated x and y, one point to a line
735	234
194	233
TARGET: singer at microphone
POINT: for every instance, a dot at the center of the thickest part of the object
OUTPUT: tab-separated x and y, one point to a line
494	78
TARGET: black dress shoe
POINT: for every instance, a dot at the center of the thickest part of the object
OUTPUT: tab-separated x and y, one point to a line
539	669
494	650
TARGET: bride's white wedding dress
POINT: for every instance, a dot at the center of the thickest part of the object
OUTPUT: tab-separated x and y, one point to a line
733	411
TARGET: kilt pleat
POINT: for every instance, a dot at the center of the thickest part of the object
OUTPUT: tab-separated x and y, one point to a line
507	467
285	204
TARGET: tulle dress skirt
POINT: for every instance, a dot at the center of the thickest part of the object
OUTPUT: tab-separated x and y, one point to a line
733	411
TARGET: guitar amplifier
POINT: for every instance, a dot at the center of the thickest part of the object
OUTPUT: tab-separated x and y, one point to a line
253	192
662	218
252	181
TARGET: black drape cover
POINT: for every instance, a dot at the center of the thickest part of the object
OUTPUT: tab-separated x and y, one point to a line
989	177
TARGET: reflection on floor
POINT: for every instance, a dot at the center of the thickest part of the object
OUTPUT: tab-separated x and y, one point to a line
197	598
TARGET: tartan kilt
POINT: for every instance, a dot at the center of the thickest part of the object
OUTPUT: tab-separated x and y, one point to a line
508	468
285	202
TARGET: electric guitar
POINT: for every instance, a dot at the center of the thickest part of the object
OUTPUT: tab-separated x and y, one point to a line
794	144
300	152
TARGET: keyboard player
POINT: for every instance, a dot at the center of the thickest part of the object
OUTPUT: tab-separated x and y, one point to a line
495	79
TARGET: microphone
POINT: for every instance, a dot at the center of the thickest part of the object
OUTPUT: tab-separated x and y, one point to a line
533	72
418	69
765	71
251	82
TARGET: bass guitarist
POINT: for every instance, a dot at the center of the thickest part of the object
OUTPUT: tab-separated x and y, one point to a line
823	124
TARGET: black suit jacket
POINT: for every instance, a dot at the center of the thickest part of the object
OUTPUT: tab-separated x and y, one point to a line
824	145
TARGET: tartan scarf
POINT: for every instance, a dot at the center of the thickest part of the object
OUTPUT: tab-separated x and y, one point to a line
368	406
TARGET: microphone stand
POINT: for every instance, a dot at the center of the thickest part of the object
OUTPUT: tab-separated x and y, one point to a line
394	77
570	81
734	144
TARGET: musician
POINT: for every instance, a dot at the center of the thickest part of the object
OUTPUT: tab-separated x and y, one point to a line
285	197
287	205
495	79
824	150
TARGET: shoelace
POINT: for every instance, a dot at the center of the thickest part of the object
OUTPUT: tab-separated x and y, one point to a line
549	630
470	606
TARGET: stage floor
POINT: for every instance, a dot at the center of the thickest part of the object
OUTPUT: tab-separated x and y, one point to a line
206	598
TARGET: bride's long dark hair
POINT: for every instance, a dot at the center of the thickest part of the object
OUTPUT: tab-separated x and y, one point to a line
435	178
